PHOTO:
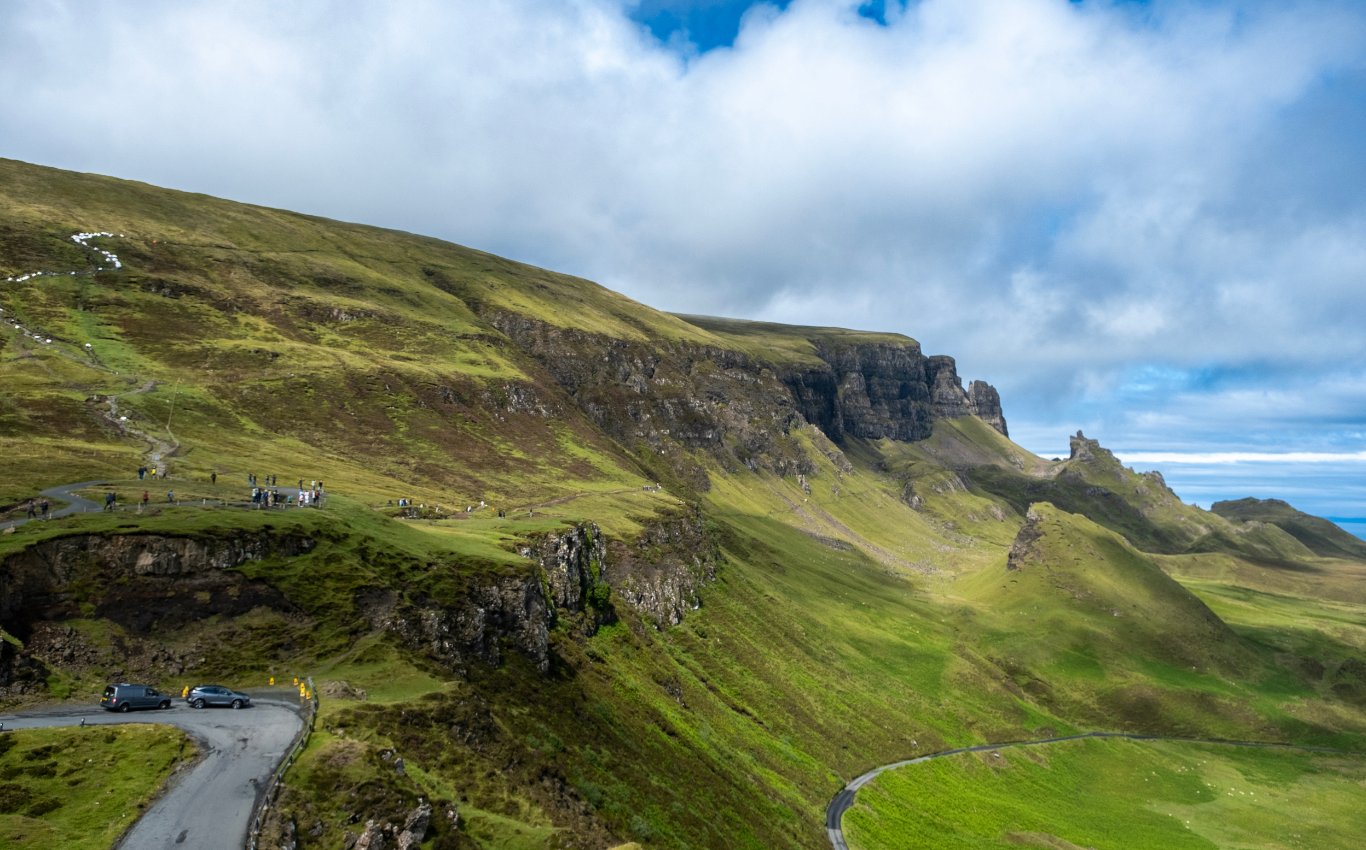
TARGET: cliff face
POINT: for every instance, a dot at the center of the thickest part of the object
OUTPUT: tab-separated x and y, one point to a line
670	398
676	398
137	580
575	580
877	390
144	583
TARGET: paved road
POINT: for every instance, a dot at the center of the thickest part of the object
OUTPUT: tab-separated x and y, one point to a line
64	493
211	807
844	800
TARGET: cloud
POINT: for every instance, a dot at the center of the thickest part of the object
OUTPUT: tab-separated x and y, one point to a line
1062	195
1221	458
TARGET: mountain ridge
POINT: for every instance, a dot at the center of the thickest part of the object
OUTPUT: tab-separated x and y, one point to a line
591	572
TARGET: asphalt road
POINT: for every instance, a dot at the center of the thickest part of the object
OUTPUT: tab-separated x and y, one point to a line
211	806
844	800
63	493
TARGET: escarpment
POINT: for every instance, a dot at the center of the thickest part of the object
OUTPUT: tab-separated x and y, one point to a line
677	397
886	390
574	582
671	398
138	580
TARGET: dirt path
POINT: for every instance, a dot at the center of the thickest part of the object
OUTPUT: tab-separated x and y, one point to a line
103	260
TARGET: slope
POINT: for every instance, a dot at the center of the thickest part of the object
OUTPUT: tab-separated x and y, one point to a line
701	610
1319	535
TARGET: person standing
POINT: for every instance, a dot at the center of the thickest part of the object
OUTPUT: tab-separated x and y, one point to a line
146	497
109	499
44	507
213	478
32	509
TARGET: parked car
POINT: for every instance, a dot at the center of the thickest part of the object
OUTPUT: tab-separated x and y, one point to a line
206	695
125	697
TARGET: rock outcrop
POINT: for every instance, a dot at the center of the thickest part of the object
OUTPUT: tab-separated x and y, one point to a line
674	398
886	390
678	398
574	581
141	582
137	580
660	573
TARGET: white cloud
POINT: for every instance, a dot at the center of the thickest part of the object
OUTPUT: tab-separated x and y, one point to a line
1220	458
1058	194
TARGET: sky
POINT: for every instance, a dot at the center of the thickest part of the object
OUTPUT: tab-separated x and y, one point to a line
1144	220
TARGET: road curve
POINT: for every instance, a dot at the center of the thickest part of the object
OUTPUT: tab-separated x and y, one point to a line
211	807
844	800
63	493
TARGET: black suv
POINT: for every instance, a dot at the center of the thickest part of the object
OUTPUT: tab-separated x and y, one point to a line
126	697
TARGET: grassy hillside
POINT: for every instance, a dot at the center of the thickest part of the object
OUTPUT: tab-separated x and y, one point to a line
1319	535
1115	794
81	788
769	613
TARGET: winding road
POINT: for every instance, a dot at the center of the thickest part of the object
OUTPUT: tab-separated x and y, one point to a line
63	493
211	806
844	800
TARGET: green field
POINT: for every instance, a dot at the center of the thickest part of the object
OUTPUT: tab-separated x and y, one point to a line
81	788
1116	795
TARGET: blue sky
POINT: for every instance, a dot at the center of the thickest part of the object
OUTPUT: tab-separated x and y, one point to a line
1143	220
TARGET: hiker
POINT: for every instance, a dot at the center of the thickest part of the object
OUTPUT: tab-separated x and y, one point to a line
146	497
109	500
32	511
213	478
43	508
142	472
153	472
170	497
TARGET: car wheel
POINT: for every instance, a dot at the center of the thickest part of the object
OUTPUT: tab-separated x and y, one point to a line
125	708
237	703
199	703
165	704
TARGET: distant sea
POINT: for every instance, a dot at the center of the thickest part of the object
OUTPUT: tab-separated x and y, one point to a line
1354	524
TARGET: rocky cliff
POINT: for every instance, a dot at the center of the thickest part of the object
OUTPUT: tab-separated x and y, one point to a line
877	390
143	583
573	581
670	398
138	580
675	398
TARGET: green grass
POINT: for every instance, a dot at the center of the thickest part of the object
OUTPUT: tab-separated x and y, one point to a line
861	611
81	788
1115	794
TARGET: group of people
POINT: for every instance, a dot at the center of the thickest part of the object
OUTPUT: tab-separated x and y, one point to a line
35	508
269	496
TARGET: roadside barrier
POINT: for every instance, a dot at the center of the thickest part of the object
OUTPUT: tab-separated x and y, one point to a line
266	799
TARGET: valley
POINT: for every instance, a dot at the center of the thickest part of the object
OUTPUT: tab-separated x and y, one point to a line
590	575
